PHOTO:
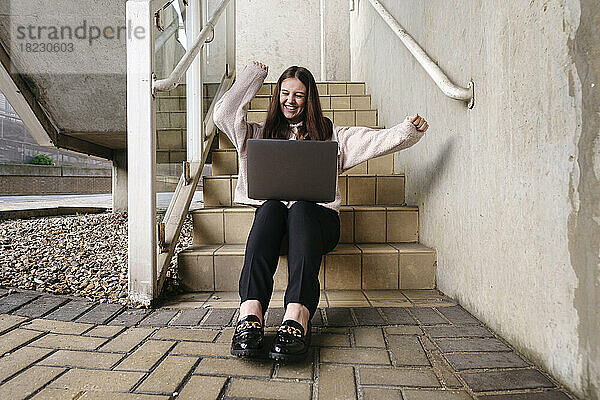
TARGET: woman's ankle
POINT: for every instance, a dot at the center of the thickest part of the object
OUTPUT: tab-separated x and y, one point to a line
297	312
251	307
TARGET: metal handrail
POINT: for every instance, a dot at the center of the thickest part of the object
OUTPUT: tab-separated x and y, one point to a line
172	80
440	78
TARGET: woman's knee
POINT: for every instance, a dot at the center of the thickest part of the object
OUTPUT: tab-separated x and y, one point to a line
303	207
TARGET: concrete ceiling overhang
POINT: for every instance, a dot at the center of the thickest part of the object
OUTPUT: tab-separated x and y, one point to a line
75	101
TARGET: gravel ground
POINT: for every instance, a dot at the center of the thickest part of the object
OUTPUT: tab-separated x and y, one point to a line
82	255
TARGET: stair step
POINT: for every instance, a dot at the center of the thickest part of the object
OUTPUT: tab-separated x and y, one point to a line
356	189
339	117
347	267
335	102
358	224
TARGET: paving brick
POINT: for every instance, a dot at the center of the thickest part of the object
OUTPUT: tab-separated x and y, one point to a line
328	340
40	306
146	356
548	395
458	315
69	342
274	316
16	338
72	328
412	394
403	330
358	356
234	367
167	376
127	340
129	317
427	316
337	382
339	317
202	349
70	394
367	316
82	359
398	377
105	331
86	379
368	337
458	331
407	350
28	381
370	393
189	317
10	321
199	335
15	300
100	314
456	345
506	380
317	319
398	316
57	394
300	370
159	318
444	372
202	388
219	317
485	360
24	357
70	310
226	335
248	388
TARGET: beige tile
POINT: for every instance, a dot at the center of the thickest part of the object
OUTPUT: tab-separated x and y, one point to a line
385	295
340	102
346	225
383	165
162	157
283	390
14	362
322	89
203	349
369	337
380	266
337	382
356	88
234	367
146	356
337	88
185	334
366	118
238	222
342	186
177	120
390	190
82	359
300	370
328	114
85	379
361	190
57	394
47	325
162	120
331	340
390	303
342	268
352	356
358	102
167	376
260	103
357	169
217	191
177	157
170	139
202	388
196	267
208	226
69	342
257	116
417	269
105	331
224	162
127	340
344	118
224	142
369	224
228	266
325	101
264	89
402	225
345	295
28	382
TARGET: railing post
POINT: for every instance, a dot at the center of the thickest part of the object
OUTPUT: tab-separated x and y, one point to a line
230	38
141	154
194	92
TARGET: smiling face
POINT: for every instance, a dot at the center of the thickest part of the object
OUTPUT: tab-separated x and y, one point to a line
292	99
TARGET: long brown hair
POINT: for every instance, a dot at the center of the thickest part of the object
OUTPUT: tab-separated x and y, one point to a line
315	124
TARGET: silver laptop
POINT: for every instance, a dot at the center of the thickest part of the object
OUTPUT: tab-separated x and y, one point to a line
292	170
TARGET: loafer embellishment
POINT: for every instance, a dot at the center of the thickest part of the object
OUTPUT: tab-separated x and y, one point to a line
291	330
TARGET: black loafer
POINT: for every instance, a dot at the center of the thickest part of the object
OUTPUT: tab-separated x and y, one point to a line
291	342
248	337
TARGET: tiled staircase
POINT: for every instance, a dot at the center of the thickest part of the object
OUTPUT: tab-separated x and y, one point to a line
378	246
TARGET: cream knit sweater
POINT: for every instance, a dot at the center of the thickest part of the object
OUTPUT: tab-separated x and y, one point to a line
355	144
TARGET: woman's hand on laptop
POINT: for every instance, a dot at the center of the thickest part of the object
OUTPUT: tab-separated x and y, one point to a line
419	123
263	66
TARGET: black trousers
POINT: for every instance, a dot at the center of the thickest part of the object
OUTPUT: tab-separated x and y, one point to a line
312	230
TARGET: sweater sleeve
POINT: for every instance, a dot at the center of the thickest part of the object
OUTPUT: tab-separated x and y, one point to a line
230	111
359	144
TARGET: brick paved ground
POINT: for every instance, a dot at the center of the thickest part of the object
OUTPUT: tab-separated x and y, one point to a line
376	345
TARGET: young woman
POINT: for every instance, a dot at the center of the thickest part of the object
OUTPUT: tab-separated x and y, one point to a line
312	229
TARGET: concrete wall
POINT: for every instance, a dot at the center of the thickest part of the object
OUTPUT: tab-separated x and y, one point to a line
281	33
509	192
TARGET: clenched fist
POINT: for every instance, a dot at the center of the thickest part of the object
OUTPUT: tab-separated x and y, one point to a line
419	123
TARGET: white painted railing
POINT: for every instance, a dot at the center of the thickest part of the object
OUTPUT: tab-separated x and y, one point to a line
150	248
439	77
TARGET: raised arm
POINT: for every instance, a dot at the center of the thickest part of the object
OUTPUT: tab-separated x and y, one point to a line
358	144
230	111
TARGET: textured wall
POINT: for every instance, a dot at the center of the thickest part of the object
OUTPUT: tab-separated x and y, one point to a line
509	191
